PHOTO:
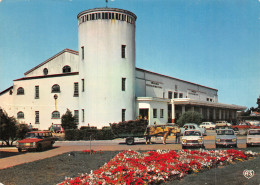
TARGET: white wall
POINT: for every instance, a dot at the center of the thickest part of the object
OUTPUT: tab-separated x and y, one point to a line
56	65
46	102
103	69
150	84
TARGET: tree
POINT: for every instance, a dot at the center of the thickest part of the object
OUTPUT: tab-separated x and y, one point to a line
68	121
8	128
189	117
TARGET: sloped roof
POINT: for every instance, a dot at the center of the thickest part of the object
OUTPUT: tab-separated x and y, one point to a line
48	60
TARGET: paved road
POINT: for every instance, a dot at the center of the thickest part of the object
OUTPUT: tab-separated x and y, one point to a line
109	145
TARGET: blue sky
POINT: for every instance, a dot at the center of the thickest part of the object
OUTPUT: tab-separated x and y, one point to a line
213	43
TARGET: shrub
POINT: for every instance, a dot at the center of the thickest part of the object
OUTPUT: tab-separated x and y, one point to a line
8	128
68	121
190	117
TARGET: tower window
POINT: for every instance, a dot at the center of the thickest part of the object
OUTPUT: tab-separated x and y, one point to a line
83	85
123	114
83	115
55	88
123	84
82	52
20	115
37	96
55	115
181	95
66	69
76	89
123	49
20	91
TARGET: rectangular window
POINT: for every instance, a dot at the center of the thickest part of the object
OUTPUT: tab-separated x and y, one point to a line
76	116
175	95
161	113
154	113
37	96
169	94
123	114
83	115
123	47
83	85
76	89
123	84
37	117
82	52
181	95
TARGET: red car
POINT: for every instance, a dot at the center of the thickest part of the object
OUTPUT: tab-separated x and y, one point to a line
244	126
37	140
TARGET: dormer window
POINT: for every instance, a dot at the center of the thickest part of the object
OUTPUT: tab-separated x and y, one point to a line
55	88
45	71
66	69
20	91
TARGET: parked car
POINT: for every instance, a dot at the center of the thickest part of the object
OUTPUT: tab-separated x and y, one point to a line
245	125
226	137
37	140
223	125
208	125
253	137
193	138
193	126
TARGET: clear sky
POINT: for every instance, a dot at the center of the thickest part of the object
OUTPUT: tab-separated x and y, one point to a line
214	43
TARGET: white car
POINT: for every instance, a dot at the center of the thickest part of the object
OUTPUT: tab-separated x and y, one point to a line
192	138
226	137
208	125
253	137
193	126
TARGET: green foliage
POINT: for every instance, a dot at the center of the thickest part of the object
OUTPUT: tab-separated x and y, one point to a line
190	117
8	128
21	131
129	127
68	121
88	133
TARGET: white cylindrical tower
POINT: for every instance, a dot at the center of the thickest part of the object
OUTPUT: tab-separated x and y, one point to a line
106	66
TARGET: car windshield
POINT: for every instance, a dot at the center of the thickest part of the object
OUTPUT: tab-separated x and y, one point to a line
34	135
192	133
254	132
225	132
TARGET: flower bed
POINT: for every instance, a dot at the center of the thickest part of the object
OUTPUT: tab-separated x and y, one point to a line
155	167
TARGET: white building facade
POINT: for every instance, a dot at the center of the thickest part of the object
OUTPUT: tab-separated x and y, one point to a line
100	84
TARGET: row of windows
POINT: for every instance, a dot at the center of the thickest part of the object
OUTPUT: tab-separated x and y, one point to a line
107	15
123	52
155	113
56	88
65	69
210	99
175	95
54	115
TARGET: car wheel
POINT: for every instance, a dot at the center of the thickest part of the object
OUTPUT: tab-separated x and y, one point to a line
130	141
248	145
217	146
183	147
19	150
39	148
203	146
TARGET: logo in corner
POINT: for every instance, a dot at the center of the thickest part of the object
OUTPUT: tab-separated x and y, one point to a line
248	173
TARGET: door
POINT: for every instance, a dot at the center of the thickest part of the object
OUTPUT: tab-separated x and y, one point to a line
144	113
